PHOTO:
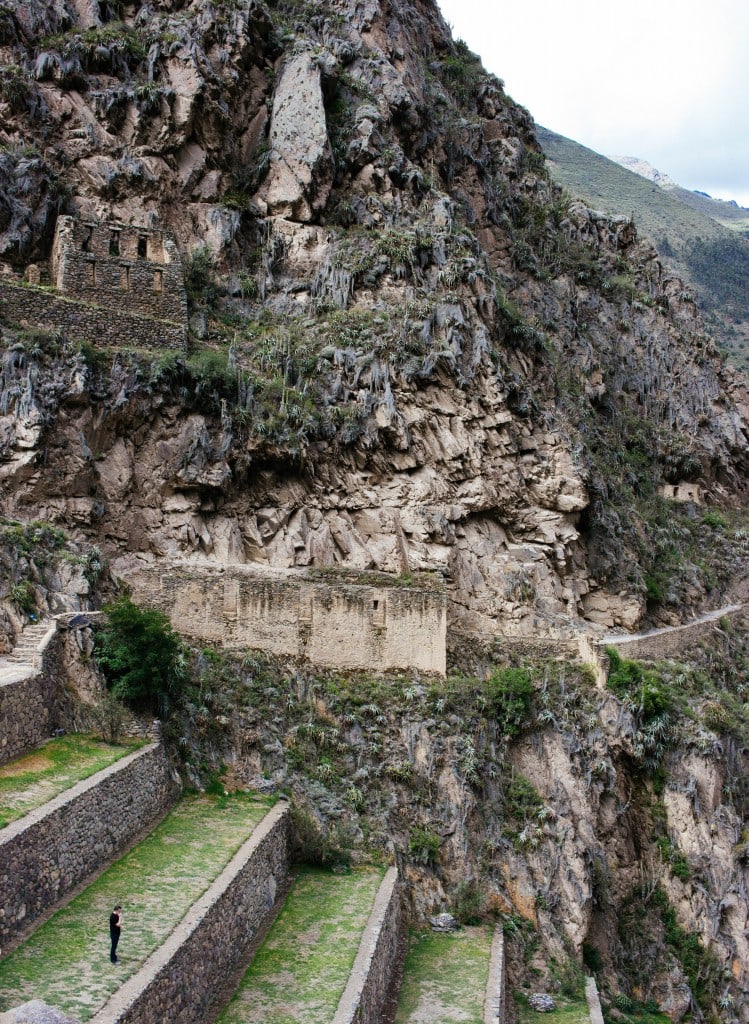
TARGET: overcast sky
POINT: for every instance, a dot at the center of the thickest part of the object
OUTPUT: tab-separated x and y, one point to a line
662	80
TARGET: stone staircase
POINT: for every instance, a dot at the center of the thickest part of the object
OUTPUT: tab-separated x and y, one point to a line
26	653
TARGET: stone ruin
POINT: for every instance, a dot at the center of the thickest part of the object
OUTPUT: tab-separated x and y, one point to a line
113	284
140	268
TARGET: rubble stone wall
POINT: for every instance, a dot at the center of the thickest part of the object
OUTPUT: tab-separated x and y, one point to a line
106	324
370	980
51	850
336	625
139	268
180	980
672	641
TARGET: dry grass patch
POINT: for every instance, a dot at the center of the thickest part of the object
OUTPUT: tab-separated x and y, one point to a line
66	961
301	969
32	780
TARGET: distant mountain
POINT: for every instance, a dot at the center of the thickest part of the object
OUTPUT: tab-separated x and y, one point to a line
726	212
705	240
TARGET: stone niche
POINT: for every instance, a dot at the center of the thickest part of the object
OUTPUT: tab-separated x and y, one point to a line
140	269
340	625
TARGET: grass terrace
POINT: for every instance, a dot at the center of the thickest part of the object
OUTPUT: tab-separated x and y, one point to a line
301	969
32	780
66	961
445	977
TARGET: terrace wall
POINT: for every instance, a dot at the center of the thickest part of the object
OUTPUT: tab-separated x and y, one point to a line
179	980
369	983
46	854
29	702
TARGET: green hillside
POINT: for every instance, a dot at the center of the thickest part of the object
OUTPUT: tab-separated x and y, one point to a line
712	258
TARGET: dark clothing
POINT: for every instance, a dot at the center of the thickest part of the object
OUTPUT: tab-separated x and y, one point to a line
114	935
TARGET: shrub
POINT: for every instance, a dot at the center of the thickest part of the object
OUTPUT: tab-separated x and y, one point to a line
318	845
424	845
23	597
468	903
200	275
509	691
141	657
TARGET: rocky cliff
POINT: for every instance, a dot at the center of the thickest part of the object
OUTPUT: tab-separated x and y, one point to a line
409	350
412	350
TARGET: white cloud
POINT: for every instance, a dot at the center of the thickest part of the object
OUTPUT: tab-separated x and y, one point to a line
649	78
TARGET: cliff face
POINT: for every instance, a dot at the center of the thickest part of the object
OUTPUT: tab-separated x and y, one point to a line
422	354
409	351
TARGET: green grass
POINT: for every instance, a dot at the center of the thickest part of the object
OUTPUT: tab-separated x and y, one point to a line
444	977
302	968
66	961
568	1011
35	778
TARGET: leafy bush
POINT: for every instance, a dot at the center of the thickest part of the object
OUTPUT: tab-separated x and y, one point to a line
320	846
424	844
509	691
141	657
468	903
200	275
642	687
23	597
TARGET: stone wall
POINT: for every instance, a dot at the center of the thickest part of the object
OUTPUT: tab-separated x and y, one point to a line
179	980
55	847
30	701
105	324
137	270
369	983
26	713
672	641
334	625
495	1001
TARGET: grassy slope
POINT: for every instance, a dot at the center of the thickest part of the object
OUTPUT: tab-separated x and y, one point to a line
673	225
444	977
66	961
302	968
35	778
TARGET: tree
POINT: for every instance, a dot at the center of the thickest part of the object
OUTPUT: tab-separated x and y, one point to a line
141	657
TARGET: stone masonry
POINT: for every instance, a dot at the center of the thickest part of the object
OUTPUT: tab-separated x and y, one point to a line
369	983
136	269
26	712
51	850
114	284
30	701
103	324
180	980
337	625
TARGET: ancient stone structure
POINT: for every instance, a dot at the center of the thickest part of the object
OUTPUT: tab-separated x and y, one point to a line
334	624
364	997
671	641
45	854
495	997
180	980
25	713
29	700
114	284
138	269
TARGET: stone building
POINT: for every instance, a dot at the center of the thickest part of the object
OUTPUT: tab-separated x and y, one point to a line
139	268
112	285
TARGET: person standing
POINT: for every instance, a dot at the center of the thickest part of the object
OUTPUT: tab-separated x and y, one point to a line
115	927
